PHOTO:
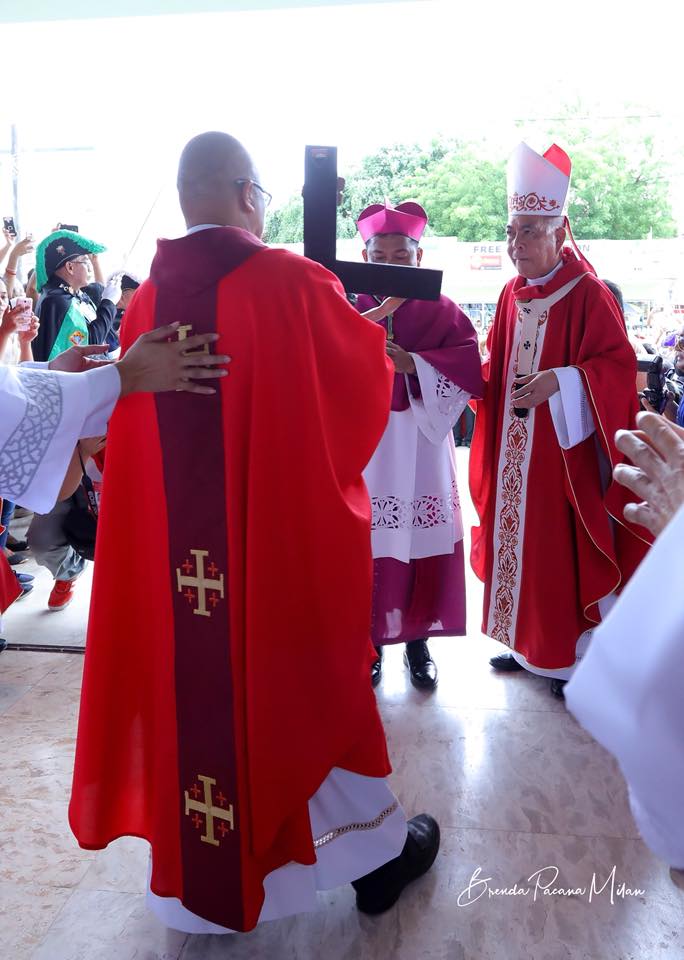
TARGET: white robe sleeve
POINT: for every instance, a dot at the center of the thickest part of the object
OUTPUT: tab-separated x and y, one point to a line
43	414
627	692
570	410
441	404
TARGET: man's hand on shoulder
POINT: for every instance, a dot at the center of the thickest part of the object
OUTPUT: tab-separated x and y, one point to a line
156	362
534	389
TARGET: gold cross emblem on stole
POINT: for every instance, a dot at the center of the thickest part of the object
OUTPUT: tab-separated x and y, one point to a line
183	334
210	812
200	583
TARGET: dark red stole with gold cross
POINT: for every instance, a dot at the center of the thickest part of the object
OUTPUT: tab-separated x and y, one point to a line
192	432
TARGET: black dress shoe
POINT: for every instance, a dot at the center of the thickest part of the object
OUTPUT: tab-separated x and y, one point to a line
423	670
557	688
16	546
376	668
380	890
505	662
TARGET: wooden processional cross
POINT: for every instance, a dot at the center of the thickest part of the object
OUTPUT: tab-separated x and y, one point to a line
320	239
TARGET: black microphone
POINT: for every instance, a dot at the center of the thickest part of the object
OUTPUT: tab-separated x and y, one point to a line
520	412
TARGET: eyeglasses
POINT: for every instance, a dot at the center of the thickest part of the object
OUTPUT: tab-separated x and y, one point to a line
267	196
83	260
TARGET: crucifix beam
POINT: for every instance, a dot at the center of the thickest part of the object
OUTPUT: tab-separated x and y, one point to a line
320	239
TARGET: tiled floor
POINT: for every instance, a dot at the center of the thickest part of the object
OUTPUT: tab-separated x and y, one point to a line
517	786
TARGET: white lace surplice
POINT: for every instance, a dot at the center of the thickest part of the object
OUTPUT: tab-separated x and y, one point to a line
412	475
42	416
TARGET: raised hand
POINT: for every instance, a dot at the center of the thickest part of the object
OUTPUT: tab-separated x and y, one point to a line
28	336
656	475
11	319
24	246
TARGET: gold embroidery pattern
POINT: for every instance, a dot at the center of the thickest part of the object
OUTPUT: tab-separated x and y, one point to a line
200	583
353	827
509	529
209	811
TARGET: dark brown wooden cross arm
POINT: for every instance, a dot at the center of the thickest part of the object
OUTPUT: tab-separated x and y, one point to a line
320	239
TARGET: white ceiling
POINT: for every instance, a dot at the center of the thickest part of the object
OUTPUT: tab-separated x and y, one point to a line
26	10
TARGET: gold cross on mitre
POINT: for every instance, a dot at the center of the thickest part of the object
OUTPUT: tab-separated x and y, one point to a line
210	812
200	583
184	332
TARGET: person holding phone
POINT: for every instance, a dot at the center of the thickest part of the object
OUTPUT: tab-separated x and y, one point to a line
18	327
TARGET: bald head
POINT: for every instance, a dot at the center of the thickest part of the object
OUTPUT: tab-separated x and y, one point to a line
217	184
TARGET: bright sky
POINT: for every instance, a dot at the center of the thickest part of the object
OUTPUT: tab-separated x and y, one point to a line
356	76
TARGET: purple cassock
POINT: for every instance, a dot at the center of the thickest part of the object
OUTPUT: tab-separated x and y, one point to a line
417	533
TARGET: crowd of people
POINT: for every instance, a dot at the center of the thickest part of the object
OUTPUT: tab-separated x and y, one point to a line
328	527
64	302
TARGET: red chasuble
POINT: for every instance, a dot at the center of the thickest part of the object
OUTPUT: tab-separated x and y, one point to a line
228	653
552	539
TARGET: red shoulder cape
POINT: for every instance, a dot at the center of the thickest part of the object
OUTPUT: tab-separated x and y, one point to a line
246	707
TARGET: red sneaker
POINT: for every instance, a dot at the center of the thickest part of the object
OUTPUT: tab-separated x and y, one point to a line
61	596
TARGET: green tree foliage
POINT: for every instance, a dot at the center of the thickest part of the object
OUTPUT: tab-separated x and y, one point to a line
387	173
379	175
620	186
464	195
286	224
619	196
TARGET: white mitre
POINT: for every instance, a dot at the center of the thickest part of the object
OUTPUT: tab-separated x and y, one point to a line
538	185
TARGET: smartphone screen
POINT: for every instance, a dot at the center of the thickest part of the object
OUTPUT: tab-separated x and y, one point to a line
8	225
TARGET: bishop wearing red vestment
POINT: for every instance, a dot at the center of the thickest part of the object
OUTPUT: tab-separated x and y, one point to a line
552	547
